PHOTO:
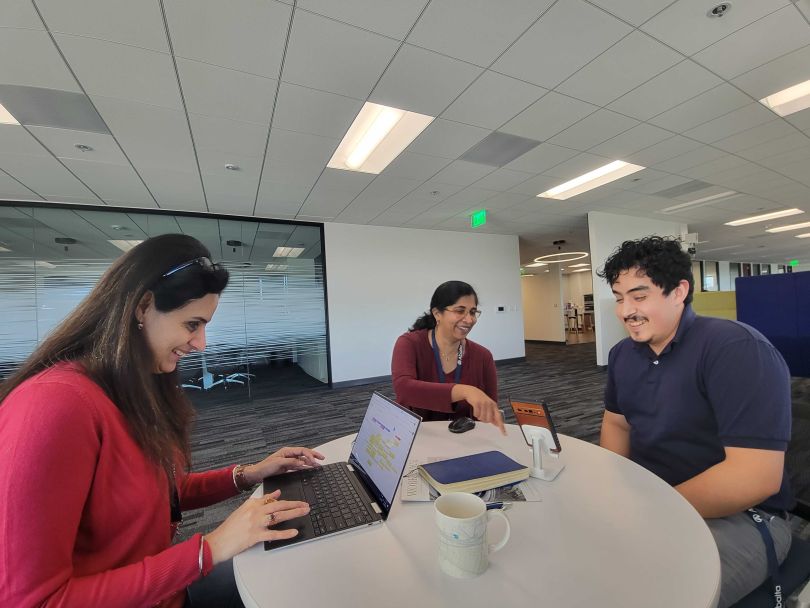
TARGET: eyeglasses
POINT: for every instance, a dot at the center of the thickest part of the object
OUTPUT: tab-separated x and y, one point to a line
463	312
203	262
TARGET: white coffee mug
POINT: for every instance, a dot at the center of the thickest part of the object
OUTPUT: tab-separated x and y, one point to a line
462	521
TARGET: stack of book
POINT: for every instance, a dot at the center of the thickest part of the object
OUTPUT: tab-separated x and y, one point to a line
473	473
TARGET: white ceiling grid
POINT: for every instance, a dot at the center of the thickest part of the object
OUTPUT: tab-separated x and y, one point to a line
186	87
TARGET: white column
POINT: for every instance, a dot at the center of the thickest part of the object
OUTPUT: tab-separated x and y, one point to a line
607	231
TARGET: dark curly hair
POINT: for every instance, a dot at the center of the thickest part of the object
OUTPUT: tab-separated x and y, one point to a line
445	295
660	258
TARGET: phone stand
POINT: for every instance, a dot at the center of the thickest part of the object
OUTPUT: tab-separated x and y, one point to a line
546	464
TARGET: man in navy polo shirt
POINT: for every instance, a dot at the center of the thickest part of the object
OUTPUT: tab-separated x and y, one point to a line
703	403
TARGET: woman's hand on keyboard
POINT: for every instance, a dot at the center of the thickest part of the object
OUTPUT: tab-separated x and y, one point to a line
286	459
252	523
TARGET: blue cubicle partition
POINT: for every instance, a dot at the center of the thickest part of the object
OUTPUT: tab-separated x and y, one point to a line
778	305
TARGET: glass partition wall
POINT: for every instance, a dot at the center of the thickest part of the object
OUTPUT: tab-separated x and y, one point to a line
269	333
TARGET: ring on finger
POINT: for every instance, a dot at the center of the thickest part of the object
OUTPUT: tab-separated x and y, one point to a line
271	519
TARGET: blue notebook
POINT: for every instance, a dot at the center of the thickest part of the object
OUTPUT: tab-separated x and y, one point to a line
474	473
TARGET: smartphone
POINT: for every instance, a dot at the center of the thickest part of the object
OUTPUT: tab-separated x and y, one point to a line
535	413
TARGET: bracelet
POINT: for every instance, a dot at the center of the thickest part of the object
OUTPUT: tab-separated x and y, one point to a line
239	480
200	558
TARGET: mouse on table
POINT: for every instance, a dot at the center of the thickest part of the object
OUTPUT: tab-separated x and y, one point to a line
461	425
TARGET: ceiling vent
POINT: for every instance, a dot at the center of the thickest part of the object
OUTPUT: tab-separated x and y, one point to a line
37	107
499	149
681	189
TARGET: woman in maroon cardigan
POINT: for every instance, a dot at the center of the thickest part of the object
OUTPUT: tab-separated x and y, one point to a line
440	374
94	447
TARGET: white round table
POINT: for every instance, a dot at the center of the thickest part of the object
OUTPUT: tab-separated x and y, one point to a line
606	533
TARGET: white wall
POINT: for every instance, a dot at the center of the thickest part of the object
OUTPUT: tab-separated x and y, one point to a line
726	284
380	279
607	231
543	305
575	286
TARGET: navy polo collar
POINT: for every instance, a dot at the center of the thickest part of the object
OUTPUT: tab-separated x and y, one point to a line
686	321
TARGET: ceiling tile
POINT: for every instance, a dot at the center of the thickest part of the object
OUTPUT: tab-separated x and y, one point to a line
382	193
20	14
422	81
175	189
134	23
743	50
209	90
738	120
122	72
593	130
462	173
632	11
330	56
541	158
289	146
685	26
392	18
114	183
62	143
29	58
692	158
492	100
415	166
317	112
228	136
775	129
11	189
250	39
151	136
44	175
776	75
548	116
535	185
674	86
232	191
447	139
334	190
667	149
706	106
502	179
632	140
627	64
778	146
14	139
572	33
477	31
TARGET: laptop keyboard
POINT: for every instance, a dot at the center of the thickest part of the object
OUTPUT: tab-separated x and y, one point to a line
334	503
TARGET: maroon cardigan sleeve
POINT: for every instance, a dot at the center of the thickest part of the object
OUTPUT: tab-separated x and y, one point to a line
207	488
413	390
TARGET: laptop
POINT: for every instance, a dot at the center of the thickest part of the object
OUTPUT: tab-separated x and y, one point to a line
344	496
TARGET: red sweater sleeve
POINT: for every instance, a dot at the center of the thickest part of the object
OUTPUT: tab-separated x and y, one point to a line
490	377
50	442
409	388
203	489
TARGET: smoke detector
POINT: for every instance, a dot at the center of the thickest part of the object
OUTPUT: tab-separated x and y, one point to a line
720	10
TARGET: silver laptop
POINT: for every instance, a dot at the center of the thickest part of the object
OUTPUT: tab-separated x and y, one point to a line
346	495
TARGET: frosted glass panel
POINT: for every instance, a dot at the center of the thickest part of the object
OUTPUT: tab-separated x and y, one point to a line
270	318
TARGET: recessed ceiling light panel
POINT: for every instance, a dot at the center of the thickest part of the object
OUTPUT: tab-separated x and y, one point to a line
6	118
790	100
377	136
288	252
788	227
593	179
764	217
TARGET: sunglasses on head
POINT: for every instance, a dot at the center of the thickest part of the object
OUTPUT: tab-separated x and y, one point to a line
203	262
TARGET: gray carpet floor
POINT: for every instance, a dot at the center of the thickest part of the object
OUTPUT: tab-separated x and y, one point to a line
230	429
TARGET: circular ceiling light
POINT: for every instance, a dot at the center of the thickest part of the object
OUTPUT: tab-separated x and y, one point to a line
559	258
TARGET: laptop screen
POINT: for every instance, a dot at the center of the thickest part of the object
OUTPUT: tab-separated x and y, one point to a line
383	444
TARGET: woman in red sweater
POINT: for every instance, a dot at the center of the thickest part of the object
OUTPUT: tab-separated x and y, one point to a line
440	374
94	446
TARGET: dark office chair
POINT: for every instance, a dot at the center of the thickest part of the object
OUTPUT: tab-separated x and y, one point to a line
794	572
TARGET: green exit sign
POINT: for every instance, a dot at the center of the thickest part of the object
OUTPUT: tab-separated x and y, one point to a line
479	218
793	263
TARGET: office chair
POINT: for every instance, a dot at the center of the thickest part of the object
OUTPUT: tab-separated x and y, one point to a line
794	572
